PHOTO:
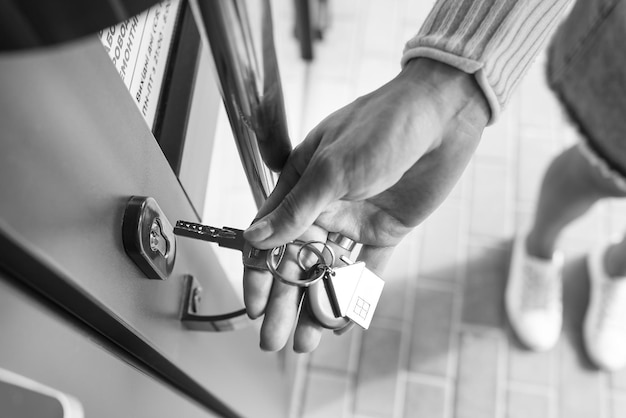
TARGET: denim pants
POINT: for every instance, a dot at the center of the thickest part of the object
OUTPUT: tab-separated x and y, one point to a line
587	71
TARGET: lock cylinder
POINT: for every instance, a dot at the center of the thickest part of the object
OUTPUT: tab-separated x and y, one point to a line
148	237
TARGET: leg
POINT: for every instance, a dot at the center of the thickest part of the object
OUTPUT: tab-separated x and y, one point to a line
586	71
570	188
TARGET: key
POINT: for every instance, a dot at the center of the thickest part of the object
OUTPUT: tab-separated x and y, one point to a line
342	286
252	257
319	301
360	303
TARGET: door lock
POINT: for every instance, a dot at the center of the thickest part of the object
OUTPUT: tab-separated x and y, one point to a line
148	237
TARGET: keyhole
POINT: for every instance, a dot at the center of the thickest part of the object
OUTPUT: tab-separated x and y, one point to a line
158	242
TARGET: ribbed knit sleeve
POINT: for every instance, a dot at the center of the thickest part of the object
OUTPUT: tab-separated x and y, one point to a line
494	39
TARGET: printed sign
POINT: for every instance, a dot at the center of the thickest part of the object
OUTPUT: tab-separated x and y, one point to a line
139	48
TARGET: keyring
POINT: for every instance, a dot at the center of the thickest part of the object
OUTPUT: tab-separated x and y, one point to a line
341	240
272	266
316	251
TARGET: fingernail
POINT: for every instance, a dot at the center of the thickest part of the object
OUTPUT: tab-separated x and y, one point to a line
258	231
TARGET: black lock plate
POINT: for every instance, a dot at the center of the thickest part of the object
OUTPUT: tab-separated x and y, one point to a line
148	237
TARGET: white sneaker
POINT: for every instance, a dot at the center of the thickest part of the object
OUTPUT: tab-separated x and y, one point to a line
604	329
533	297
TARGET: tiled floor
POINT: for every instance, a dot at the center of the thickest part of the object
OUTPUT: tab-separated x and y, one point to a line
440	345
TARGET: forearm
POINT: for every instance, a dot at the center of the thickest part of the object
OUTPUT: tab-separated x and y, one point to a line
495	40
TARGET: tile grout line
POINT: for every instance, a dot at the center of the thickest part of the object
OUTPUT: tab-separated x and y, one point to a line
530	388
299	391
353	367
554	382
502	383
428	282
356	347
553	394
604	396
407	326
358	50
454	352
428	379
513	221
510	207
554	397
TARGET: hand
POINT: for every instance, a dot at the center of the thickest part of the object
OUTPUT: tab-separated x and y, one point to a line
371	171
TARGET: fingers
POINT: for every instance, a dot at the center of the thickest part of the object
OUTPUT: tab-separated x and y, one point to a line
278	301
305	187
296	212
281	302
308	332
280	314
257	286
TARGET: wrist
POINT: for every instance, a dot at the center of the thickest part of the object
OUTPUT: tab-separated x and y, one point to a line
453	93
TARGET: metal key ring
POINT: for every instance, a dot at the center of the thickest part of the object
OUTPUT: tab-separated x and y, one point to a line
272	266
309	245
342	241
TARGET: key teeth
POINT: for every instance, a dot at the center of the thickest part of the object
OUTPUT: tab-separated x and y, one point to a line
195	230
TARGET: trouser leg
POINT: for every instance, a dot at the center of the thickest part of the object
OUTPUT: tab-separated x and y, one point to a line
570	187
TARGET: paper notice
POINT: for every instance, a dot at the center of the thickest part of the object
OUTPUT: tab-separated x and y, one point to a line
139	48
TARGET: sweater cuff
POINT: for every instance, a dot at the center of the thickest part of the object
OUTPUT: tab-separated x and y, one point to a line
466	65
495	40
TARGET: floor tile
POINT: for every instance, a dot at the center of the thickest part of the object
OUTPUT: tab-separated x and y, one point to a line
377	376
335	352
326	396
526	405
382	15
531	368
618	406
491	200
580	384
477	384
432	327
441	254
425	400
400	274
485	280
618	380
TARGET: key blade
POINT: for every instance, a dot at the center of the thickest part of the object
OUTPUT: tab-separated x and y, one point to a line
196	231
224	237
254	258
232	238
365	299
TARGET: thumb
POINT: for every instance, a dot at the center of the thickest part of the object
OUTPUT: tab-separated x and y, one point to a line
297	211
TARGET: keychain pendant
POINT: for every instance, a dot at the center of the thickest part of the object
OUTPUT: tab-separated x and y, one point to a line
343	285
356	291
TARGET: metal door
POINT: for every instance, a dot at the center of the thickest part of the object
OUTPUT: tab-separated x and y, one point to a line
74	149
44	349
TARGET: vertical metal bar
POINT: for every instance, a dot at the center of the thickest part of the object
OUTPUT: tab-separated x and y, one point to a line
249	83
304	28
